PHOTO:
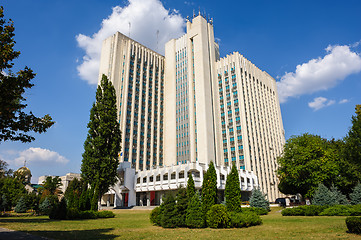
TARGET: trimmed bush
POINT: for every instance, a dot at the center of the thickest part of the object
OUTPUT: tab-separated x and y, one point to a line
337	210
21	206
155	216
217	217
353	224
105	214
89	214
311	210
73	213
244	219
257	210
59	211
355	210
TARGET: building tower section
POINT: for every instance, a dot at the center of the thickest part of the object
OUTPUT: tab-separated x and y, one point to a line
137	74
189	112
250	119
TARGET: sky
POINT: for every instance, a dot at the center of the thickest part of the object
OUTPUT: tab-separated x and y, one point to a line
311	47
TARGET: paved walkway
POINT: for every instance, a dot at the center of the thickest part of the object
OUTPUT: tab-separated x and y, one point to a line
8	234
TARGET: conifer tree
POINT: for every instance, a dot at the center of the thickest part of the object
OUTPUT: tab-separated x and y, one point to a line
21	205
209	189
102	145
169	213
181	207
355	196
337	197
323	196
232	191
191	190
46	206
95	200
195	217
352	149
258	199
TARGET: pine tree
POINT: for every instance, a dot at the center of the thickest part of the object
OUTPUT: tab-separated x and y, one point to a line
195	217
355	196
232	191
169	213
181	207
191	190
46	206
4	202
258	199
323	196
337	196
21	206
209	189
102	145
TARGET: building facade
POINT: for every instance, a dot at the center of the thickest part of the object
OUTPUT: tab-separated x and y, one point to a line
206	108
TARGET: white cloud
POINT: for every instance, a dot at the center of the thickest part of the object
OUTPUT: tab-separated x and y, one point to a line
320	74
342	101
320	102
32	155
146	17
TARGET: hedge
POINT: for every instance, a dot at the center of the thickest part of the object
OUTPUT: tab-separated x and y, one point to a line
315	210
353	224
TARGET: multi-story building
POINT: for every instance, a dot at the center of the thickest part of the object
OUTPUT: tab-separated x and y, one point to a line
223	110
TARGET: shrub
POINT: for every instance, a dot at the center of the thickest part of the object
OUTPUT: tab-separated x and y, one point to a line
194	218
311	210
155	216
258	199
356	210
353	224
59	211
105	214
89	214
47	205
73	213
244	219
355	196
337	210
21	205
257	210
217	217
181	207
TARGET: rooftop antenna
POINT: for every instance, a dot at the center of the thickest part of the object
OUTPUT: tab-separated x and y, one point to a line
194	14
129	29
25	163
199	11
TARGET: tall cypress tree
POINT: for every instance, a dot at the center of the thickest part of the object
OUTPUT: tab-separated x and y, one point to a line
232	191
209	188
102	145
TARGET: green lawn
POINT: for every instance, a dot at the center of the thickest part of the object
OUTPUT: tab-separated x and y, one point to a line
134	224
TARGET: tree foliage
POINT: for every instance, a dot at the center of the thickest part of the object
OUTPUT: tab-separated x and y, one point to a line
169	218
323	196
307	160
21	205
12	189
52	184
102	145
259	200
181	206
15	124
232	191
191	190
209	189
195	217
4	171
355	196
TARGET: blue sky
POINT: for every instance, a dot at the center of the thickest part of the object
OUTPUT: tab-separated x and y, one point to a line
312	48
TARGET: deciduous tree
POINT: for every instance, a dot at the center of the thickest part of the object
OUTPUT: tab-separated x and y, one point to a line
15	124
102	145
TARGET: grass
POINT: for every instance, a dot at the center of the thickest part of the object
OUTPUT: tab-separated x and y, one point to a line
134	224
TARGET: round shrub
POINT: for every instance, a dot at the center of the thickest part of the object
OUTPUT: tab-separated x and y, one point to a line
155	216
353	224
217	217
356	210
73	213
105	214
245	219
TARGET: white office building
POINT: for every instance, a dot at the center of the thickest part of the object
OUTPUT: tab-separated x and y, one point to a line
180	112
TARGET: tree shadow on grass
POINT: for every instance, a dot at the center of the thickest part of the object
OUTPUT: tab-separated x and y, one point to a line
76	234
25	220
